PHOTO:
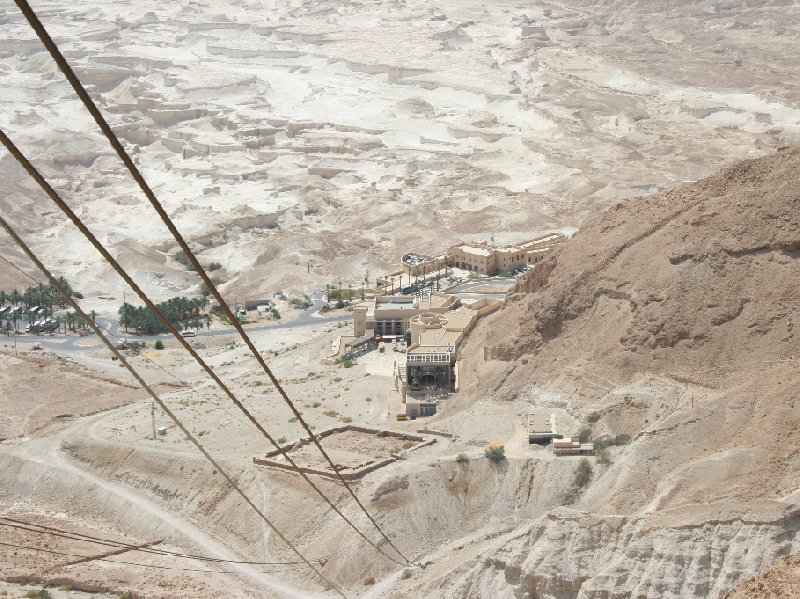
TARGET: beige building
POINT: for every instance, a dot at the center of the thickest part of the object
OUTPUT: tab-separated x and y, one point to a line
431	356
419	265
432	366
390	316
488	259
541	427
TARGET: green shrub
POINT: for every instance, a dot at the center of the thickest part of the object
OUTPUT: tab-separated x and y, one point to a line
181	258
300	304
462	458
214	266
602	453
583	474
281	440
347	363
496	453
603	457
347	419
159	344
406	574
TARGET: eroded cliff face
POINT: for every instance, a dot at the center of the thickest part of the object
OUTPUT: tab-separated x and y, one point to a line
666	328
575	555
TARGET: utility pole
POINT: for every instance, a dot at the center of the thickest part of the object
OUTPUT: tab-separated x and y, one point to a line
153	417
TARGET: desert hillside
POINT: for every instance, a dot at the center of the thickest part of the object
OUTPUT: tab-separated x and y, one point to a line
664	328
697	283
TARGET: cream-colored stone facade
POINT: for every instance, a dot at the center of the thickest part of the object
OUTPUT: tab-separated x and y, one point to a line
487	259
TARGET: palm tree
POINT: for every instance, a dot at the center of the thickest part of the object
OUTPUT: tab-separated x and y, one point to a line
126	315
208	321
3	298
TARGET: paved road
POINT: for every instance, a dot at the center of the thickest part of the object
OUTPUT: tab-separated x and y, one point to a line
311	316
78	344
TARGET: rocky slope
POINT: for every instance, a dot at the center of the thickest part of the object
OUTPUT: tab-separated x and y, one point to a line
781	580
666	328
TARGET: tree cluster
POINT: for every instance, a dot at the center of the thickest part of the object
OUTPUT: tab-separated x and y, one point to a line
38	295
46	297
181	312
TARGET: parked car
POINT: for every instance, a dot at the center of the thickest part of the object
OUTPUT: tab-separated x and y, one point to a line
188	334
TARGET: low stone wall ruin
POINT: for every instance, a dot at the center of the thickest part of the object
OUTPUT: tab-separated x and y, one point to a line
269	461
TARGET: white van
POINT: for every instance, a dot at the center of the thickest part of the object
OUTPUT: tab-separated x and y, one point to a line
188	334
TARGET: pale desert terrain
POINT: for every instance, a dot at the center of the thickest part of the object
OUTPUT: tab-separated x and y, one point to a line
283	134
305	143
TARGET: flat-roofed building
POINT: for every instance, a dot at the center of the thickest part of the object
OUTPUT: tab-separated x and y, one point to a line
434	327
417	265
488	259
431	365
390	316
541	427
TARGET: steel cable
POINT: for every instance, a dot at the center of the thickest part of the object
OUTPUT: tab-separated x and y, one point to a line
77	86
56	198
54	282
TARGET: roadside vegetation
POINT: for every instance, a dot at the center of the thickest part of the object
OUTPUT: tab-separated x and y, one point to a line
334	294
301	303
181	312
22	310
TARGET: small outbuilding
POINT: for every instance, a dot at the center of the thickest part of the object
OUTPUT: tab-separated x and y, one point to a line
541	428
